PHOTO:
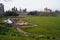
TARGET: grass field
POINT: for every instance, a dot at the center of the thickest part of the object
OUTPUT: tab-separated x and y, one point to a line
46	26
49	26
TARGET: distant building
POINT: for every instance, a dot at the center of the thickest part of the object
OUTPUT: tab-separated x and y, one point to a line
23	11
13	9
1	9
20	12
47	10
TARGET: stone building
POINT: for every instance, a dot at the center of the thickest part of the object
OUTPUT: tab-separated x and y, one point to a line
1	9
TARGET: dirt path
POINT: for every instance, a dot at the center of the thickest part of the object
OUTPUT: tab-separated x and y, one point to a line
20	30
27	33
31	34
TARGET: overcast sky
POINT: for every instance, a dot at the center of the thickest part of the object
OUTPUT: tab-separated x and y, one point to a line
32	4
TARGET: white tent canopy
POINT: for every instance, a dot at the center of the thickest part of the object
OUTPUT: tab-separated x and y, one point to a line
8	21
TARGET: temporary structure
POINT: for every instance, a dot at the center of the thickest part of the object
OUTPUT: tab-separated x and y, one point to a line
8	21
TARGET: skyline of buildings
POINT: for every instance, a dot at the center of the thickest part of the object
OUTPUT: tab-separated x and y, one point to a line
14	9
25	12
32	4
20	12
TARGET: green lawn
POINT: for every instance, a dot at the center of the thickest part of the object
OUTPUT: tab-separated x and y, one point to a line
49	26
46	26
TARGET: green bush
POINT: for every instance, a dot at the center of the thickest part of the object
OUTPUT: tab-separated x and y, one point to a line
9	13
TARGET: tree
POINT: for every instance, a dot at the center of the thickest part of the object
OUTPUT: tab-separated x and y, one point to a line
9	13
57	11
32	13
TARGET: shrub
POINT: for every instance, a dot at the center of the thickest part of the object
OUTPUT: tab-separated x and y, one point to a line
9	13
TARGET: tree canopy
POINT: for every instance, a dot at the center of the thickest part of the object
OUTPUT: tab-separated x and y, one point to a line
9	13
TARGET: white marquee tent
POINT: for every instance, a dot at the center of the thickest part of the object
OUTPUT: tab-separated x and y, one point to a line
8	21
